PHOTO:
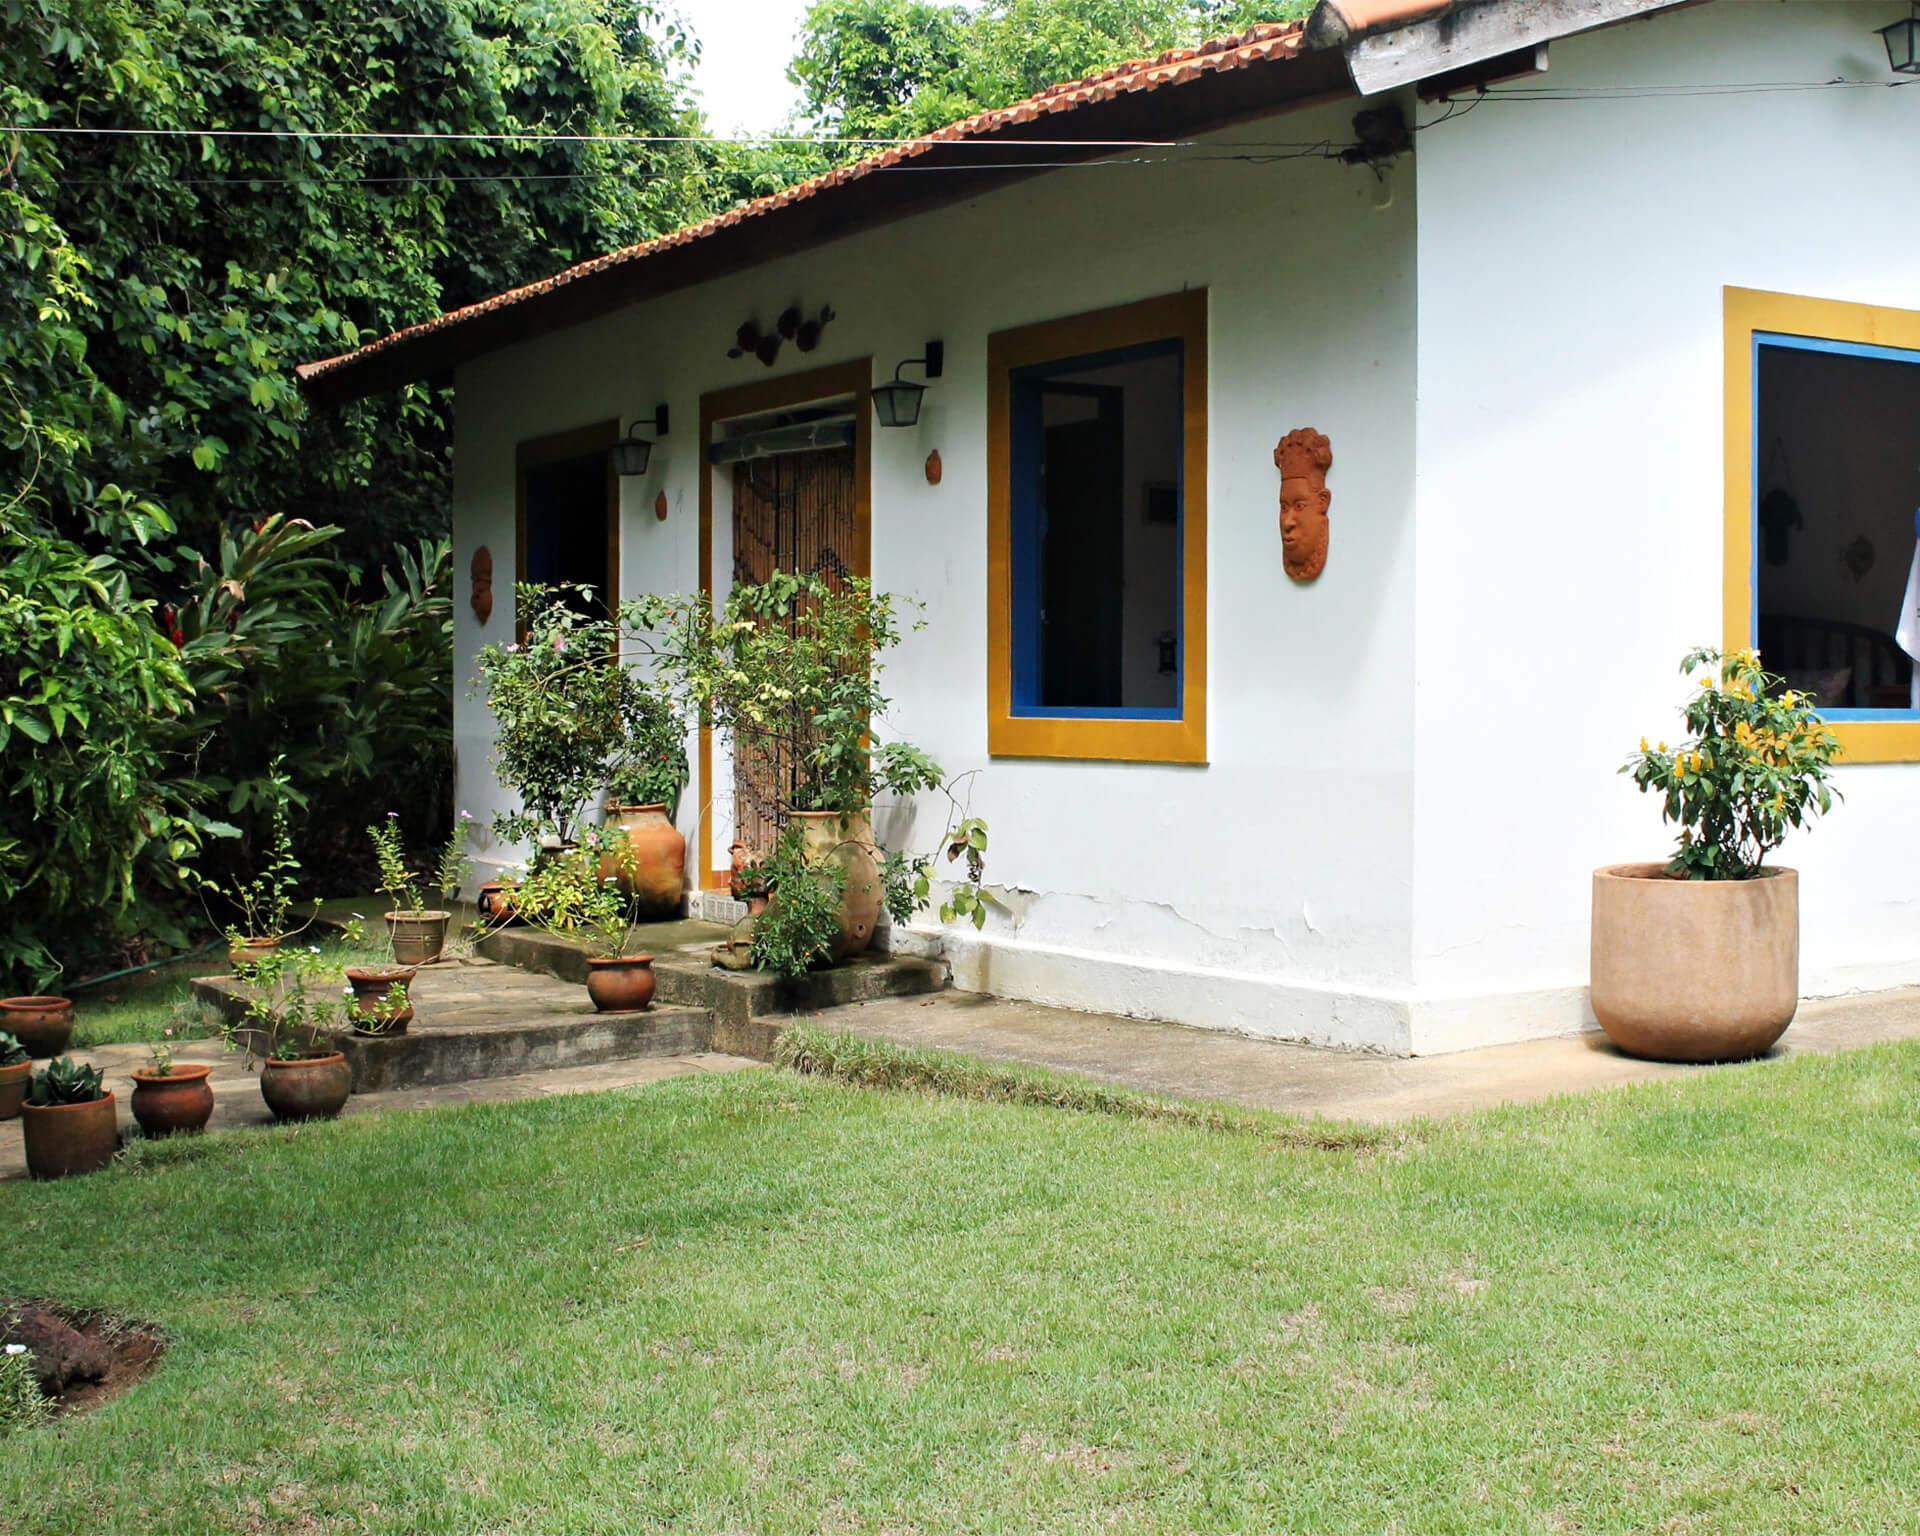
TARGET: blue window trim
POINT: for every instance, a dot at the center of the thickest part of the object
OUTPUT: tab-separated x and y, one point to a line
1025	448
1843	349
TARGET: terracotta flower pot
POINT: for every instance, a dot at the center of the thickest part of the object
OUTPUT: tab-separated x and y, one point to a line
848	842
314	1089
621	985
43	1025
14	1082
419	938
495	901
756	905
1694	970
65	1139
370	985
245	953
176	1101
654	868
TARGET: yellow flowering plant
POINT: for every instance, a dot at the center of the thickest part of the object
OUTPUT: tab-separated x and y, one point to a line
1754	765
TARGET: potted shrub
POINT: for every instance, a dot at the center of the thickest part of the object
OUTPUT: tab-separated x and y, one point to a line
561	700
43	1025
790	670
569	896
1698	959
417	934
264	903
288	1030
643	794
68	1120
171	1097
16	1075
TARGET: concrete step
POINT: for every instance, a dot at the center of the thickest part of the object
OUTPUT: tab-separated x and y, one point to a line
748	1008
477	1019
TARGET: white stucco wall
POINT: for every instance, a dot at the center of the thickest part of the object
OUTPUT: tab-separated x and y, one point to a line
1269	891
1572	259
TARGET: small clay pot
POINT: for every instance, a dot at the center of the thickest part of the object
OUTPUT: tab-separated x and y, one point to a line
756	905
495	901
621	985
419	938
172	1102
370	984
14	1082
43	1025
244	954
313	1089
65	1139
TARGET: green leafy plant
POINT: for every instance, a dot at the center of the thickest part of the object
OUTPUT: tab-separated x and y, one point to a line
454	867
1754	765
796	932
561	702
265	901
566	893
652	765
160	1059
284	1019
22	1404
751	879
379	1020
66	1081
790	670
397	882
12	1052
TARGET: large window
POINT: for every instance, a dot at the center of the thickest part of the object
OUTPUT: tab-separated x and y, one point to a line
1098	535
1823	482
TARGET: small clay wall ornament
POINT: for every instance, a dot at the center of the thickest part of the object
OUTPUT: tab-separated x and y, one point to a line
933	467
1303	457
480	574
660	506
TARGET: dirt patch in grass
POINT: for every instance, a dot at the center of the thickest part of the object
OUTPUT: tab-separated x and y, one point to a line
82	1358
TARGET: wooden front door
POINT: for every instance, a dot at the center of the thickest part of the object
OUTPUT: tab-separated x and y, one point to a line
791	512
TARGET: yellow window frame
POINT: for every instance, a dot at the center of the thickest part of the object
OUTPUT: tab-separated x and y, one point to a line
1178	316
1750	311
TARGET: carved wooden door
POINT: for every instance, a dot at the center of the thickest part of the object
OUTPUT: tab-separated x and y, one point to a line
791	512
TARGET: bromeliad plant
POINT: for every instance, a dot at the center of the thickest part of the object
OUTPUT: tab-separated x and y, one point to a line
12	1052
1755	765
66	1081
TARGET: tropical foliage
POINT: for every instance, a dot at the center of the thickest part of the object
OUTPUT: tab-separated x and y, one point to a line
1754	765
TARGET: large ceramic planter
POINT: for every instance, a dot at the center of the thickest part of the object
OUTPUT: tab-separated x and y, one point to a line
654	868
44	1025
14	1082
419	938
167	1103
370	984
65	1139
847	841
244	954
314	1089
621	985
1694	970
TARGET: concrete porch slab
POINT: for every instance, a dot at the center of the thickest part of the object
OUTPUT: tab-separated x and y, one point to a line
1311	1080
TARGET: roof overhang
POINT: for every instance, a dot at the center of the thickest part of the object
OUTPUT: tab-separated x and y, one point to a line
1346	48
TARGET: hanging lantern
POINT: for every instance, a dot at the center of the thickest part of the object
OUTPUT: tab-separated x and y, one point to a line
633	452
897	403
1903	44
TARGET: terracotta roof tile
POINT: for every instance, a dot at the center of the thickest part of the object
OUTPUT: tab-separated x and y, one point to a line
1262	43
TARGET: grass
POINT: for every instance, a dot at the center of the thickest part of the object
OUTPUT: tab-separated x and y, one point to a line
770	1302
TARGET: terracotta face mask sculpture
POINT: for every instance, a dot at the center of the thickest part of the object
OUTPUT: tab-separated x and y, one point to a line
1304	456
481	574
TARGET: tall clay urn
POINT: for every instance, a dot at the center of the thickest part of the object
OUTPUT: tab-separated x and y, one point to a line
653	867
847	841
1694	970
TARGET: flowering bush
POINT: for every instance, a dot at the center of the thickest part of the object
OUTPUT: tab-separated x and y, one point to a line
566	893
652	769
1754	766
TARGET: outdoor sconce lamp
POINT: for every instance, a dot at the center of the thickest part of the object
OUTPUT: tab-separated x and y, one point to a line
1903	44
898	404
631	453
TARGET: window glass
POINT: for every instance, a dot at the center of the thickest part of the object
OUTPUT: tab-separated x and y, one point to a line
1097	518
1836	482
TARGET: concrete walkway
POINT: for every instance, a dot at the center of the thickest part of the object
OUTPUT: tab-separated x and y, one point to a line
1306	1080
237	1101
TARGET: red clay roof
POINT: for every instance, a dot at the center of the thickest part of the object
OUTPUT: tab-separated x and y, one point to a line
1266	43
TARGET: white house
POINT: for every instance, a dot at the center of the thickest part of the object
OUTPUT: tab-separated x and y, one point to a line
1609	311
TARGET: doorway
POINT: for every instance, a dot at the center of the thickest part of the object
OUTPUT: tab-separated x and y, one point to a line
567	517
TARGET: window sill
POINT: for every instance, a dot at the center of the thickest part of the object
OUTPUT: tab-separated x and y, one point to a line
1126	741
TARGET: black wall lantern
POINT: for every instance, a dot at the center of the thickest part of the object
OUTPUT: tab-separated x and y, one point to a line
898	404
1903	44
631	453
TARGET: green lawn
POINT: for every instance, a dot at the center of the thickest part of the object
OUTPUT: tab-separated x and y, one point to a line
768	1303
